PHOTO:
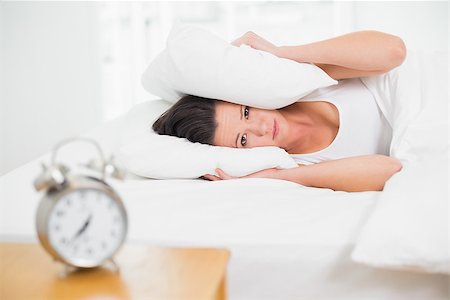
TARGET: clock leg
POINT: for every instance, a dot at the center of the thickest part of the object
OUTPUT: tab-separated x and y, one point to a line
66	271
114	266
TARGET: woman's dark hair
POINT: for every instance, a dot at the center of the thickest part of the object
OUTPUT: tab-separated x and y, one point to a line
192	117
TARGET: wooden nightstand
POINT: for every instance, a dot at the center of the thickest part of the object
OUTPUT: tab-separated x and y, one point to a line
146	272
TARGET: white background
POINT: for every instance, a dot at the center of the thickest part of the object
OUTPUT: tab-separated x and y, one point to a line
66	67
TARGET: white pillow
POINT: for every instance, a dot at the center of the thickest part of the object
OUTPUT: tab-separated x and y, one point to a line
410	227
148	154
167	157
197	62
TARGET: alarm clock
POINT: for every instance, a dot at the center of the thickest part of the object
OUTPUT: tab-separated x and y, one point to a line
80	221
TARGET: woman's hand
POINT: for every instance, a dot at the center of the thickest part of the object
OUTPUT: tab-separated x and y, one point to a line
256	42
267	173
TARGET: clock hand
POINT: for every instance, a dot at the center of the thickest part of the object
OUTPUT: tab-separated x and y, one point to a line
82	229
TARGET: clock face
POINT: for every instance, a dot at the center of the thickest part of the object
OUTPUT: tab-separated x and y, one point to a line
86	227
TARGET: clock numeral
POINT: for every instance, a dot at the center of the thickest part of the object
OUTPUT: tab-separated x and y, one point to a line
59	213
63	241
68	202
57	227
90	251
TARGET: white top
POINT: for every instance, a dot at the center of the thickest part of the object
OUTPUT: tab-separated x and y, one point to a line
363	130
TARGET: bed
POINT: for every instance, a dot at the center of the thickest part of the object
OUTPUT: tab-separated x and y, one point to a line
287	241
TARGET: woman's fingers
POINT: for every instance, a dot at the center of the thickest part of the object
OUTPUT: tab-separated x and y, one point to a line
210	177
245	39
224	175
237	42
256	42
221	176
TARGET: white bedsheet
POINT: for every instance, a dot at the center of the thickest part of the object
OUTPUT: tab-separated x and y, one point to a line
217	213
249	212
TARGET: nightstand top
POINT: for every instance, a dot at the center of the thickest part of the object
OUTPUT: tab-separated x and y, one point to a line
146	272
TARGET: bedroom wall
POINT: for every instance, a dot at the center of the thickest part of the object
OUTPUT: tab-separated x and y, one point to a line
49	77
423	25
2	131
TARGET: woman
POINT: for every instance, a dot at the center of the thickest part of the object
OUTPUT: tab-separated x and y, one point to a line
337	135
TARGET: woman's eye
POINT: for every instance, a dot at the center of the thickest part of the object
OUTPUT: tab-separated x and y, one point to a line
246	112
244	139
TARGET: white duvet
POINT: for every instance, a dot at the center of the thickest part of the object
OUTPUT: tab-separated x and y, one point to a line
409	227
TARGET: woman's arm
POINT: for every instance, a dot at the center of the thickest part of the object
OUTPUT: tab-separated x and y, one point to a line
353	174
357	54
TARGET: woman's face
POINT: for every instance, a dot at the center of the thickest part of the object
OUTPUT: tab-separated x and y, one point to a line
241	126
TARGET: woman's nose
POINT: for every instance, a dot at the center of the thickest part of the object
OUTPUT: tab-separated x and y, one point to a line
259	128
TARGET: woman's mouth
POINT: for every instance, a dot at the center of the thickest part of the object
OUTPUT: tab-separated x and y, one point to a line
275	129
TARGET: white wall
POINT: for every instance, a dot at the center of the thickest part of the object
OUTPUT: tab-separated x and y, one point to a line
49	76
2	130
423	25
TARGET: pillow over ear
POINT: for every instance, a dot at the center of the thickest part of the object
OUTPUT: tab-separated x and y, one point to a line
197	62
